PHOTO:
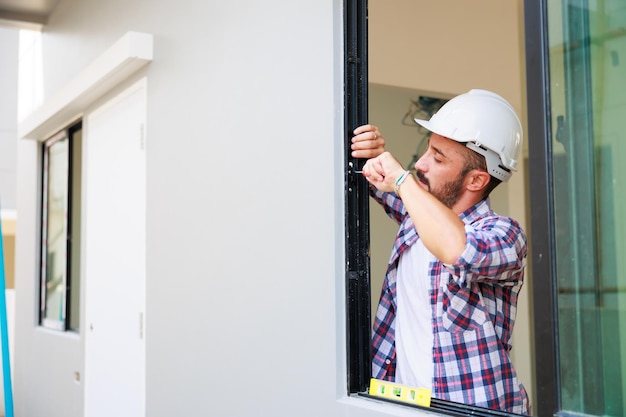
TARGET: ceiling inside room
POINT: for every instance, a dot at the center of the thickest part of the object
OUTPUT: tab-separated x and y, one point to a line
28	14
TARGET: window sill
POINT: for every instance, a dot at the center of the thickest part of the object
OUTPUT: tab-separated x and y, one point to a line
438	407
384	407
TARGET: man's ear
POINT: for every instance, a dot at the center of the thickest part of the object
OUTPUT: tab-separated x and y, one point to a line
477	180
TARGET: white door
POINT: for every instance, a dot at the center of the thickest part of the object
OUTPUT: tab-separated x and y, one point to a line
115	240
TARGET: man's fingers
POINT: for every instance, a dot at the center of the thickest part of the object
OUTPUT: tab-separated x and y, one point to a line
364	128
365	132
365	153
367	142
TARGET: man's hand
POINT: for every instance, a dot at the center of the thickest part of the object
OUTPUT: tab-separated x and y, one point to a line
367	142
383	171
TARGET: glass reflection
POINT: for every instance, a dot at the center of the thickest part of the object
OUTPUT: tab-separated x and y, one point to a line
55	239
587	58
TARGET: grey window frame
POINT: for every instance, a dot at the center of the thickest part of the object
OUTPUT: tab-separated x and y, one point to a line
542	238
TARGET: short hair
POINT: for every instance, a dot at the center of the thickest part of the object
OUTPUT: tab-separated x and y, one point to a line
474	160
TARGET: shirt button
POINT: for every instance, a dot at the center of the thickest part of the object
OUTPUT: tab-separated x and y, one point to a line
387	361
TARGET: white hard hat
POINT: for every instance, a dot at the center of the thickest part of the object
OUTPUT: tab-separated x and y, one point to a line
486	123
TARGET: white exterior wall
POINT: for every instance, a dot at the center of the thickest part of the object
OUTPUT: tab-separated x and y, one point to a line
244	292
8	153
8	116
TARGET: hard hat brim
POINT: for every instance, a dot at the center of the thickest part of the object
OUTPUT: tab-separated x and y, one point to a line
438	129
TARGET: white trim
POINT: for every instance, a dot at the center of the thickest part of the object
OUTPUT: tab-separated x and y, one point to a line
126	56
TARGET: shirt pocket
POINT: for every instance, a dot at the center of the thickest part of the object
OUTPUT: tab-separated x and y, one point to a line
463	309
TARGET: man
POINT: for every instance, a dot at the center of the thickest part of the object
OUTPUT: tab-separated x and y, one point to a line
448	302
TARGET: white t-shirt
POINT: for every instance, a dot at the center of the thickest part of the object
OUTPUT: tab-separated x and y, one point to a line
413	330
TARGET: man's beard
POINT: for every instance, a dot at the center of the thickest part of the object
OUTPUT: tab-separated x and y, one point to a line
449	193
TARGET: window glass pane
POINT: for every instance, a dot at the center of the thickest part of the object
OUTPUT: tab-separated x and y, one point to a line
75	222
54	268
587	57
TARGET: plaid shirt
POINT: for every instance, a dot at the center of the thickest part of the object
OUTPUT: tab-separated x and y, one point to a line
473	310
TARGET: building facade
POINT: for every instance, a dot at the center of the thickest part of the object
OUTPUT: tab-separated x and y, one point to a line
182	212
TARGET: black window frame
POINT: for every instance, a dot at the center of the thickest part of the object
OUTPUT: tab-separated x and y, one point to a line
356	200
65	324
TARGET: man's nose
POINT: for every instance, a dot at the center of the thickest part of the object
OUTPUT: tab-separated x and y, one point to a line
420	164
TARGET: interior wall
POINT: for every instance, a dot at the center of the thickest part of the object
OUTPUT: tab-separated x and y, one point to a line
441	49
